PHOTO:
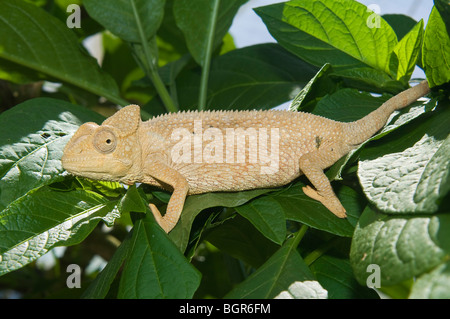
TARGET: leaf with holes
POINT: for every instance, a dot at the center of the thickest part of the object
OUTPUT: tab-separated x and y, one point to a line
32	138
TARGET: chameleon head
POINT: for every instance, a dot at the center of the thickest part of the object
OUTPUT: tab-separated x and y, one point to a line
106	152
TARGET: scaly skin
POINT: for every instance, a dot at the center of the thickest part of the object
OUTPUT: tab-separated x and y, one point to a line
200	152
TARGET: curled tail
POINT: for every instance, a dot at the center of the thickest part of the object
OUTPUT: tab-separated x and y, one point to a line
361	130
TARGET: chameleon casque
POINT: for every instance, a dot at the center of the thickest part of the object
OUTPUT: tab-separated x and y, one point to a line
210	151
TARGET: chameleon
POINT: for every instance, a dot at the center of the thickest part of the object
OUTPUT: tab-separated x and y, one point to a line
194	152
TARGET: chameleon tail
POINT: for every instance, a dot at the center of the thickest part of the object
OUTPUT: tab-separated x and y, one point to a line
361	130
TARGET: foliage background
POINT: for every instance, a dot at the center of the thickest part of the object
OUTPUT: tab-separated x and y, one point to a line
255	244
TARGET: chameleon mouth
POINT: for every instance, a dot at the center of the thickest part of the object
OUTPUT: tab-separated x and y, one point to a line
80	164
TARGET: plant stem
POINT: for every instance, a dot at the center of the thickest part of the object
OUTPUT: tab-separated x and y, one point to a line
315	254
162	91
299	235
207	59
151	70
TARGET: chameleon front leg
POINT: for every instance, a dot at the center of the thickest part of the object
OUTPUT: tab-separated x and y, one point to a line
312	165
180	186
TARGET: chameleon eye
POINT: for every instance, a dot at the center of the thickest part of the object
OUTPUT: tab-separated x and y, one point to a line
105	140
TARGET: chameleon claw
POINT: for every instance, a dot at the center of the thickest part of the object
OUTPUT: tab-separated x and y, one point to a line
332	203
160	219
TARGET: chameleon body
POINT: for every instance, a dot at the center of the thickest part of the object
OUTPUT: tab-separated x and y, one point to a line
210	151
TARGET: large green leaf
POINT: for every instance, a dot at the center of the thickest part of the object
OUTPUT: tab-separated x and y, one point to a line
433	285
32	137
155	267
347	105
267	216
444	9
336	32
196	203
268	213
238	238
257	77
119	18
35	45
33	224
405	54
136	21
299	207
284	275
410	173
436	50
133	201
336	276
99	288
198	18
403	247
400	23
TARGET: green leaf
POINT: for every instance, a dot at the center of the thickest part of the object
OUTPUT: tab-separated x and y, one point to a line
299	207
196	20
261	76
400	23
433	285
410	174
436	50
337	32
238	238
336	276
32	137
405	54
169	33
100	286
317	87
155	267
370	80
347	105
133	201
118	16
403	247
267	216
196	203
35	45
283	275
32	225
139	21
119	62
443	7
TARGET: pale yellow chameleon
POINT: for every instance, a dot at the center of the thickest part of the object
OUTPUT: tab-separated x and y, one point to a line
199	152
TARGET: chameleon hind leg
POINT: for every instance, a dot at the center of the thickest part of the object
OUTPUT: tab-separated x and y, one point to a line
312	165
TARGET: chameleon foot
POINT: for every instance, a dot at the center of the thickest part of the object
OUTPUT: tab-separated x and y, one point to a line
166	226
330	202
